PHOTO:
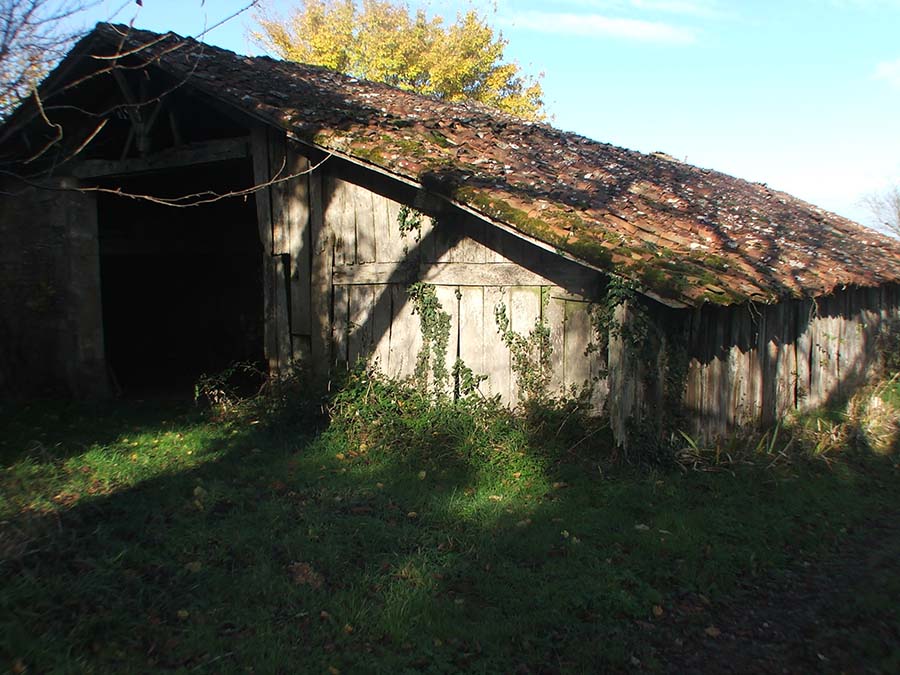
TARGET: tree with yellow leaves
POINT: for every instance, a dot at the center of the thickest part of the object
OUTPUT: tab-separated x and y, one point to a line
382	40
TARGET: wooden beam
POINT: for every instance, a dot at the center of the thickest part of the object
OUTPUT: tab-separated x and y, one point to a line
261	177
443	274
188	155
322	256
374	273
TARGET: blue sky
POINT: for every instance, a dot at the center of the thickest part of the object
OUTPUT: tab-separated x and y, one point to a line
801	94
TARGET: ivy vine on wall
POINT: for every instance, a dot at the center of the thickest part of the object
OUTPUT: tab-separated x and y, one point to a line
530	353
434	324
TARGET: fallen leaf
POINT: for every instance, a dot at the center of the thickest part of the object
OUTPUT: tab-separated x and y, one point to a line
348	629
334	671
640	527
183	614
18	666
194	566
712	632
303	574
412	515
422	475
657	611
559	485
524	523
496	498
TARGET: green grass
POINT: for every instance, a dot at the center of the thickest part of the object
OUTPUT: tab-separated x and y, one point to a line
141	537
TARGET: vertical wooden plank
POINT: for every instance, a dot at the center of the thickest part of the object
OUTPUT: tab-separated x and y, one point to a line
597	362
389	245
270	325
297	196
381	326
803	330
406	335
426	243
363	204
259	147
873	328
468	249
472	328
816	357
496	354
694	372
278	191
737	366
361	327
322	245
833	349
494	243
340	217
556	322
756	325
787	360
446	237
577	369
720	385
341	325
447	297
524	313
282	321
621	381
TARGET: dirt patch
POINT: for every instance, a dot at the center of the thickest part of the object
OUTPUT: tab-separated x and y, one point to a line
835	614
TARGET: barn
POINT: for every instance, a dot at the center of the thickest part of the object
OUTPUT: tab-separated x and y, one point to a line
170	207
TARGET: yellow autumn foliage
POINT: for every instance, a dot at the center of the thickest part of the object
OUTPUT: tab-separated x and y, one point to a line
385	41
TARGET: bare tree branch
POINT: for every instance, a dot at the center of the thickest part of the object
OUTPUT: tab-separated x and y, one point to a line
885	207
182	201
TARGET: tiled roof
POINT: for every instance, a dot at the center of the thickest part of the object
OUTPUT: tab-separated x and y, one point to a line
685	233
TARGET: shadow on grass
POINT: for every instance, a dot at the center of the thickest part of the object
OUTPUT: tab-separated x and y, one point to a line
160	540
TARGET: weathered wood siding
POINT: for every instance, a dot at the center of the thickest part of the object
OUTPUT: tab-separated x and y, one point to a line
338	271
373	317
754	364
284	206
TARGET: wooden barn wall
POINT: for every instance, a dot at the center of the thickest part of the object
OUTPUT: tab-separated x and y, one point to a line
338	269
337	272
373	316
751	365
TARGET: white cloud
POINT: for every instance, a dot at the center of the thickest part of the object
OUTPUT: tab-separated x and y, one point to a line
591	25
889	71
702	8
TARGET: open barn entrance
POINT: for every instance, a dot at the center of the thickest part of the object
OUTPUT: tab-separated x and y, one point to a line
181	287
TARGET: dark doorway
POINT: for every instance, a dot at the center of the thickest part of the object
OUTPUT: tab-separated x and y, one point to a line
181	287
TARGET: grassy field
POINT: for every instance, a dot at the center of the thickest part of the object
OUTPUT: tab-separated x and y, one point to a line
145	536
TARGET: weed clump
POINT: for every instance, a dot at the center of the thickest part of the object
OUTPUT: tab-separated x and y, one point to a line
373	413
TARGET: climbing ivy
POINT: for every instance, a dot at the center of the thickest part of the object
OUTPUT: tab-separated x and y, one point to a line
434	324
635	332
466	380
659	355
530	353
410	222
